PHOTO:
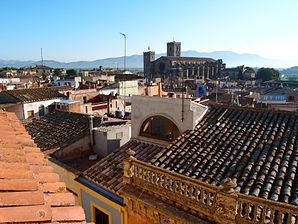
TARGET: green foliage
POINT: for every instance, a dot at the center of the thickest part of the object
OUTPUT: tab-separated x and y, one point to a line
71	73
44	76
58	72
266	74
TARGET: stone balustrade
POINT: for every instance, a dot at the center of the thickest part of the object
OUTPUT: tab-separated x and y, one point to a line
258	210
215	203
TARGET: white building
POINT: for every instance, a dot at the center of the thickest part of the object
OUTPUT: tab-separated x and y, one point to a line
160	120
27	103
72	82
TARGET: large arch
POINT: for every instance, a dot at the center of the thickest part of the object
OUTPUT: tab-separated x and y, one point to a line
159	127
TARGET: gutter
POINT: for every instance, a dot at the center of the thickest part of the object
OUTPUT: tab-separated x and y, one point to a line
101	190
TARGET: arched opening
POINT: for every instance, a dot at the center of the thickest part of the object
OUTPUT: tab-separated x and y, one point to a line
159	127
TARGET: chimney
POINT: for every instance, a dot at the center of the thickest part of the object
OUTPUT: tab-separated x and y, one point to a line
159	89
91	130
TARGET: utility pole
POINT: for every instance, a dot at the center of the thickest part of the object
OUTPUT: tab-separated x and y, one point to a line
41	56
124	36
124	68
182	98
216	91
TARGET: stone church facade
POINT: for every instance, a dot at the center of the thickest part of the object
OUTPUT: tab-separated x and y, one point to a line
175	65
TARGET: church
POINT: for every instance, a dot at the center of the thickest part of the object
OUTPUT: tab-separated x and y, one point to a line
175	65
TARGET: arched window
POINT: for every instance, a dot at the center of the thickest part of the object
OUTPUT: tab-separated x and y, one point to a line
160	128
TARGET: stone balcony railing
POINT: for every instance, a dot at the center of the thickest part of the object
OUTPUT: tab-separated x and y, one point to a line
219	204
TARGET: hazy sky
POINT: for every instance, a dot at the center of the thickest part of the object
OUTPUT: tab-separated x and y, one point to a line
70	30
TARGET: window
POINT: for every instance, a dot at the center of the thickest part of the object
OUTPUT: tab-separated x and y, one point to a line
84	99
30	113
160	128
101	217
291	98
41	110
119	135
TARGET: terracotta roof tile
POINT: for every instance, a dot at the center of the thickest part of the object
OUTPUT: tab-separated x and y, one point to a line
74	213
30	192
41	169
16	173
18	185
21	198
60	199
47	177
53	187
27	214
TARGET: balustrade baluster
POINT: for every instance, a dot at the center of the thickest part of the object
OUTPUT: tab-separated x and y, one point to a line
264	213
162	180
246	214
186	190
254	209
289	218
171	184
272	211
209	199
202	196
180	188
280	216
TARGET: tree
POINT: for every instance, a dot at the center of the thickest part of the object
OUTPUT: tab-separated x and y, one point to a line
71	73
266	74
58	72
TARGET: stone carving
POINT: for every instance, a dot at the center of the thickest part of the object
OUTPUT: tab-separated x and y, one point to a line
130	153
228	186
225	207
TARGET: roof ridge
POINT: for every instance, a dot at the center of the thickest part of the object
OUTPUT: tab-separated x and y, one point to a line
254	109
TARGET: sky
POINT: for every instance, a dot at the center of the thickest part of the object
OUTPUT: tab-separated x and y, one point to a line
73	30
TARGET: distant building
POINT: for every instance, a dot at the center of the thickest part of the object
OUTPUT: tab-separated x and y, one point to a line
175	65
42	69
72	82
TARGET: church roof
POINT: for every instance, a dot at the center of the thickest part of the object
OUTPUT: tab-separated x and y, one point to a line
188	59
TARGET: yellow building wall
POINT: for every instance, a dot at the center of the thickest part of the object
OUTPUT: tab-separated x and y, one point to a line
67	176
93	205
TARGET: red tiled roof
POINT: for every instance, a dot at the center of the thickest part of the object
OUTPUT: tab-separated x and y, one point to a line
29	95
257	149
108	172
30	192
58	129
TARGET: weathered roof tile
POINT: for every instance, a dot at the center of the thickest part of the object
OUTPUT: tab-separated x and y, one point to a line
108	172
256	148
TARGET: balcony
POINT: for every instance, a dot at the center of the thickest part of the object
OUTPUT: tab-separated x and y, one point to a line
220	204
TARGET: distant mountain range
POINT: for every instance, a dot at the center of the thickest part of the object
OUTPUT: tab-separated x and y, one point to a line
136	61
290	71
